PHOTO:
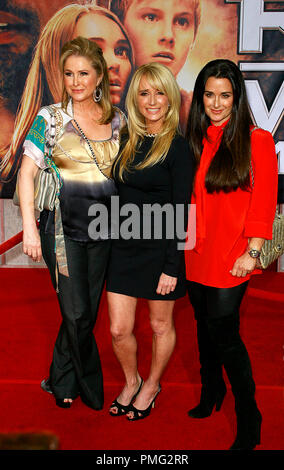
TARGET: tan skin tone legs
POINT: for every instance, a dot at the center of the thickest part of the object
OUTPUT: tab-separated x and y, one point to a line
153	105
122	318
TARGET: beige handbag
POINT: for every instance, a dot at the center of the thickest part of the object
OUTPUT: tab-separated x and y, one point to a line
272	249
46	187
47	181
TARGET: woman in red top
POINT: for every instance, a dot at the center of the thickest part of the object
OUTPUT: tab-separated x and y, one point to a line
235	193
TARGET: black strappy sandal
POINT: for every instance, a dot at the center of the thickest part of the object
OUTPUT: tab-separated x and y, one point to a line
124	409
141	414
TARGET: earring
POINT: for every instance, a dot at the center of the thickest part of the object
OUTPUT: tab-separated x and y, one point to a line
98	93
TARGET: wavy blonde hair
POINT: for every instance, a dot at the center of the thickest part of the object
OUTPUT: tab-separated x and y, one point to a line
44	82
90	50
162	79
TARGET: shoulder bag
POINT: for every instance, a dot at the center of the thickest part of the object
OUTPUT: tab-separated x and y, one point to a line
271	249
46	182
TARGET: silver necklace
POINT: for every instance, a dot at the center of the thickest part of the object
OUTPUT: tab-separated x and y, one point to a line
89	162
151	135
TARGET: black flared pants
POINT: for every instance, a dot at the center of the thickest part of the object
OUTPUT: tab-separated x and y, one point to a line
76	367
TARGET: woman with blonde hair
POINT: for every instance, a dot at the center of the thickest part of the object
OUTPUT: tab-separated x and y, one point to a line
153	171
44	81
86	137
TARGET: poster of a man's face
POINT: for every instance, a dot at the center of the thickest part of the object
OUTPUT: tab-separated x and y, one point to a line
19	30
20	25
181	34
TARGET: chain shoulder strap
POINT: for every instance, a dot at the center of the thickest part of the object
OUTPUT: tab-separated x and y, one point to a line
50	140
90	147
251	170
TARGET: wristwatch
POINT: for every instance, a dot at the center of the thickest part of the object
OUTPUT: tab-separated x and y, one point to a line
254	253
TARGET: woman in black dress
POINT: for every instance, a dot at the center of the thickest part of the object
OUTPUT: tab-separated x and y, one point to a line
154	170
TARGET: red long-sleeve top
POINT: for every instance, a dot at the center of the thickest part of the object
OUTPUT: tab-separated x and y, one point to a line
225	221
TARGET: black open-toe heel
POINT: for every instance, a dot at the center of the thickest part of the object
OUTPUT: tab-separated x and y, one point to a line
123	409
141	414
63	404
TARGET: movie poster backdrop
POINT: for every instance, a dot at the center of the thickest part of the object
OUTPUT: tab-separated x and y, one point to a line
181	34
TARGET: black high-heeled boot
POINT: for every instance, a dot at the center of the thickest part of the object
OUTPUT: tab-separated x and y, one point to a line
213	388
238	368
248	429
210	398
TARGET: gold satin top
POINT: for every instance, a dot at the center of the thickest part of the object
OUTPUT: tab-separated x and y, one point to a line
85	181
74	159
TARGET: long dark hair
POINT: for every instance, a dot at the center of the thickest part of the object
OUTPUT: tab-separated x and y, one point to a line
230	166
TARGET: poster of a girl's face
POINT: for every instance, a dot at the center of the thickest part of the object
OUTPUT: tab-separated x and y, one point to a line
115	46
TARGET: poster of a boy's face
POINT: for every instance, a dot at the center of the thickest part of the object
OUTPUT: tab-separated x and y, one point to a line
161	31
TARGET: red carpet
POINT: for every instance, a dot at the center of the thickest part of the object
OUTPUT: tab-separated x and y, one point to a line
30	319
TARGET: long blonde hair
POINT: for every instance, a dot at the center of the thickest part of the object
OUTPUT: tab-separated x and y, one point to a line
44	82
160	78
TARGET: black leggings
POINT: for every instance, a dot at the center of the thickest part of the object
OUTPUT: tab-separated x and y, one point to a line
215	302
217	314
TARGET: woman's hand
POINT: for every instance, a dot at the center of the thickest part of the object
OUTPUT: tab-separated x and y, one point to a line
31	239
31	243
244	265
166	284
